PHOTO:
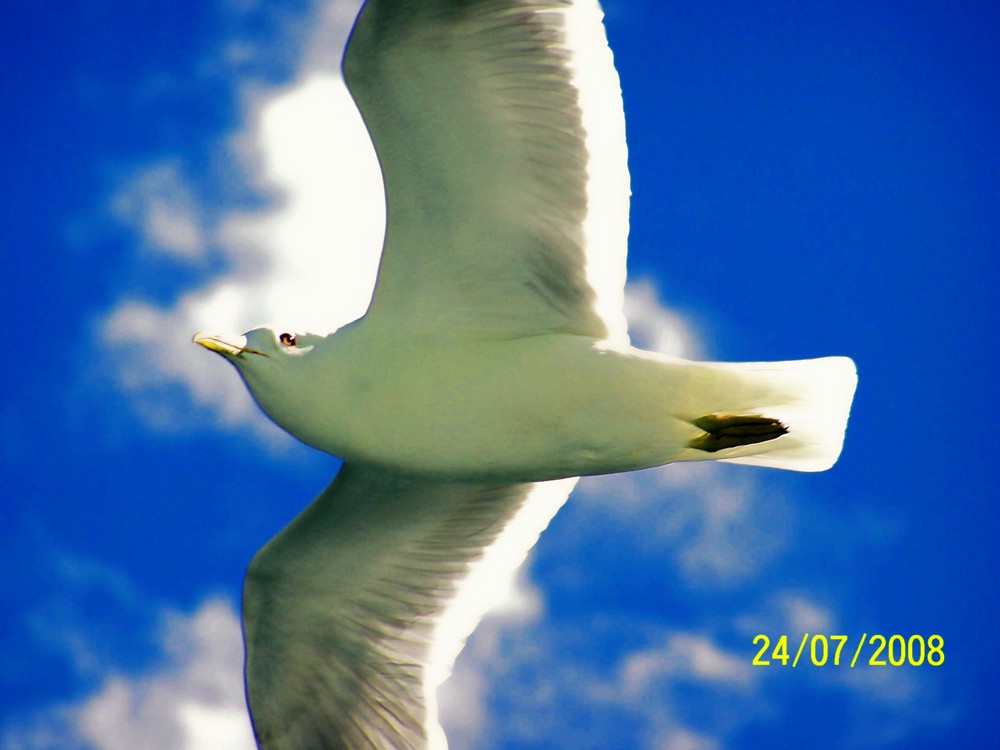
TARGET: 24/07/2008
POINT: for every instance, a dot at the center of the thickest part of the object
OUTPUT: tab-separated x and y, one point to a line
895	651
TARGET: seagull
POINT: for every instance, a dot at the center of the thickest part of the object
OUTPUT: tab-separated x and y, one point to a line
491	369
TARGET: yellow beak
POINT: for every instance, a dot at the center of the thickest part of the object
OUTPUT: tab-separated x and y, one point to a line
219	345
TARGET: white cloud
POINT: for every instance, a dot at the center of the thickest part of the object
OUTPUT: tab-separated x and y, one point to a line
573	682
568	682
193	701
159	205
684	656
718	523
655	327
657	684
789	612
318	245
305	261
462	699
685	739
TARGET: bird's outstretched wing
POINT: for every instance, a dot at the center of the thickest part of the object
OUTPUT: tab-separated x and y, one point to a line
499	129
354	612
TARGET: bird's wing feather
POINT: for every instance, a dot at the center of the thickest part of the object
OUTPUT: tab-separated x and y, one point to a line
354	612
499	129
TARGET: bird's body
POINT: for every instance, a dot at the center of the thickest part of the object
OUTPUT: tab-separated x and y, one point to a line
526	409
493	357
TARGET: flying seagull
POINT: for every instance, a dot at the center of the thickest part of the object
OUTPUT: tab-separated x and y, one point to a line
492	368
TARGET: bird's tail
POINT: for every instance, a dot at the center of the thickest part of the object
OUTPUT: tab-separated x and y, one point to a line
809	400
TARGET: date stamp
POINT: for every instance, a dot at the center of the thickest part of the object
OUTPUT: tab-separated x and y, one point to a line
821	650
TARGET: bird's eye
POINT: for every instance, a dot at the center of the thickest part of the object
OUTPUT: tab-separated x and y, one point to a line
288	339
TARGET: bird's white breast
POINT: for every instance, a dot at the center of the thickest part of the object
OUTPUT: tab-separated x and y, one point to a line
531	408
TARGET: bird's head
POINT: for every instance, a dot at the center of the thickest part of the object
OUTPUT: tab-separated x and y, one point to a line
273	364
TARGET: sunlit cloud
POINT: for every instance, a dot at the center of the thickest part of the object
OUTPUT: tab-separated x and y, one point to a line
304	260
192	701
684	656
159	205
720	526
657	328
463	699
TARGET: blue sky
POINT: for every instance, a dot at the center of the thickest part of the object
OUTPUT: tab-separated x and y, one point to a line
808	179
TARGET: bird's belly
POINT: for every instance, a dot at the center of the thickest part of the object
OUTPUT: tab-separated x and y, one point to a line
524	410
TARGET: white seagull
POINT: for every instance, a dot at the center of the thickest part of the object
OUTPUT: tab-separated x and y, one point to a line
491	368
